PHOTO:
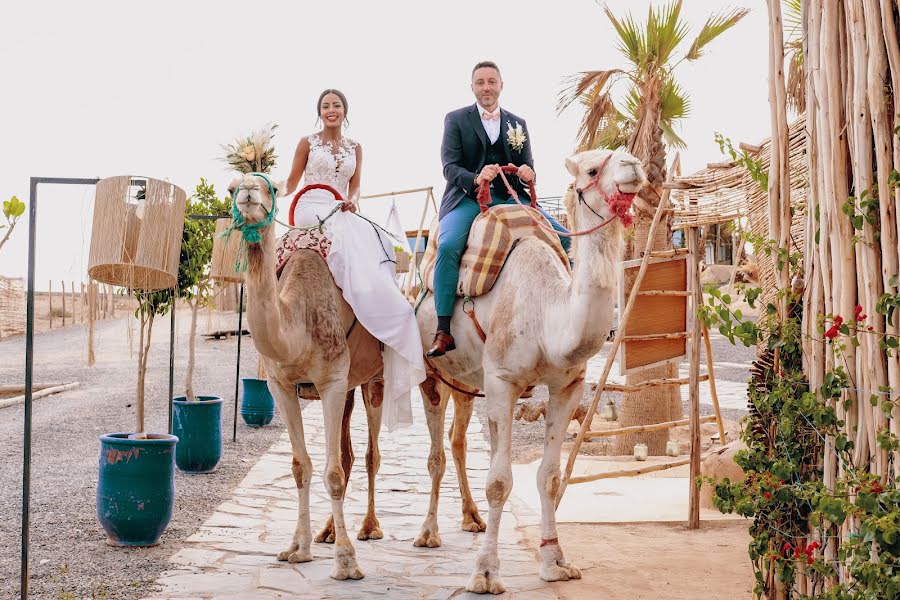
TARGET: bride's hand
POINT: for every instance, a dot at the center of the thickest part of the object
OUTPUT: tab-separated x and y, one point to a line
348	205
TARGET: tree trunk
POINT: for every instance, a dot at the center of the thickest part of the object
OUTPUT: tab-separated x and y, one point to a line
655	405
143	353
189	375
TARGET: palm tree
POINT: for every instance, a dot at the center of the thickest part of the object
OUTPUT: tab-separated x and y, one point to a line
644	124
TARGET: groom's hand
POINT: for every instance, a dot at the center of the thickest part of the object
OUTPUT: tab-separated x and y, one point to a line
488	173
525	173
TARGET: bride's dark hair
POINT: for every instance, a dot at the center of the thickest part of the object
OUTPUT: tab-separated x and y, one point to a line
340	95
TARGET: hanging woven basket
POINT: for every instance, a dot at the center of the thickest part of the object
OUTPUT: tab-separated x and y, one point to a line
224	255
136	233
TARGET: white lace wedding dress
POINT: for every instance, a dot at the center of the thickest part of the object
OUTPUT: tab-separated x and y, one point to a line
360	259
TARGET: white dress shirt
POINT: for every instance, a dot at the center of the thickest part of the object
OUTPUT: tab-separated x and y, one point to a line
491	126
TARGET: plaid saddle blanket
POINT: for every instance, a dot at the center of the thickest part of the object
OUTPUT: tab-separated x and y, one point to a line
492	237
298	239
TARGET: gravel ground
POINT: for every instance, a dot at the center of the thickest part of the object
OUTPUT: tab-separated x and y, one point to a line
69	556
528	437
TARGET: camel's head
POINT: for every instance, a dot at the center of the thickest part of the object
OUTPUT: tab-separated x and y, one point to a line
254	196
608	181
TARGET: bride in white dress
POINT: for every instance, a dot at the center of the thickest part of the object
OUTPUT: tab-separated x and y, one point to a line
361	256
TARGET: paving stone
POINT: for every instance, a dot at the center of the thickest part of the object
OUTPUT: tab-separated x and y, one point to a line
232	555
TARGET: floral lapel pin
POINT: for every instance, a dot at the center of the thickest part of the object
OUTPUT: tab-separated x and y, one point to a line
515	136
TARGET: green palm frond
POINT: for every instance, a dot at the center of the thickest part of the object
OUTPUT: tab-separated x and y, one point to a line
792	18
631	41
674	103
672	138
715	26
665	30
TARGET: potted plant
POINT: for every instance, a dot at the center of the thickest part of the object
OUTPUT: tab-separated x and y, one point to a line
197	420
136	488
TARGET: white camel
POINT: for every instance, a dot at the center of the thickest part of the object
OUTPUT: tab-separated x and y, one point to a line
542	326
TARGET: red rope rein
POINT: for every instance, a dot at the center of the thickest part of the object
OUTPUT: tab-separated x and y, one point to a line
308	188
619	204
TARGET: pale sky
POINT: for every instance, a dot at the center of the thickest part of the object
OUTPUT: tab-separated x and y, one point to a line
113	88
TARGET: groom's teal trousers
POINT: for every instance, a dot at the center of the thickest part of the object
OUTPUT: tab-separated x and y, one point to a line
452	238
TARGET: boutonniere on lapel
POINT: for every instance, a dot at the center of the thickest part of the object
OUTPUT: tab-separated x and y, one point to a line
515	136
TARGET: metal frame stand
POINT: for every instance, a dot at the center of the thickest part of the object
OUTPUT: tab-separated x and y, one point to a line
29	365
237	367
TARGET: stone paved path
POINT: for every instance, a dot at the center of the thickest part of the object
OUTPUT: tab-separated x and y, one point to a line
232	556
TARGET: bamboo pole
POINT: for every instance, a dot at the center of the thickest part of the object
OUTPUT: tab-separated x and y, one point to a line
112	302
20	387
72	294
646	428
50	297
650	383
82	300
415	268
617	340
711	376
62	284
892	47
642	470
658	336
694	387
671	253
385	194
664	293
38	394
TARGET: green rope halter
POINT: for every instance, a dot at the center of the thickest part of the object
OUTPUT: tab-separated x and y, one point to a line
250	232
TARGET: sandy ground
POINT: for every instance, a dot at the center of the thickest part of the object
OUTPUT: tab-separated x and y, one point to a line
654	561
69	556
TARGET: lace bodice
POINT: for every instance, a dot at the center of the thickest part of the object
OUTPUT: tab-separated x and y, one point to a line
329	165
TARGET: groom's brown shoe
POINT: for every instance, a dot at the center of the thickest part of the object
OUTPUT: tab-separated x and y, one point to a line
443	343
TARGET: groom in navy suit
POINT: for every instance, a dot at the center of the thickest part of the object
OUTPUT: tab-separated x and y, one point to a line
477	140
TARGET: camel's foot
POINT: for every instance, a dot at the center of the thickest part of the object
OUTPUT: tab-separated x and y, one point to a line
555	567
428	536
326	536
370	529
345	566
295	555
472	521
486	577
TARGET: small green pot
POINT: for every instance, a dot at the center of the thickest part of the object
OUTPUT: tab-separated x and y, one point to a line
136	487
257	403
198	427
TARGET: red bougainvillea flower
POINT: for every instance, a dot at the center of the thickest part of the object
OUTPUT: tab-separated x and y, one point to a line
857	313
767	495
838	320
832	332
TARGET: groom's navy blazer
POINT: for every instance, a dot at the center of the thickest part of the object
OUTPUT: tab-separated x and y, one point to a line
463	152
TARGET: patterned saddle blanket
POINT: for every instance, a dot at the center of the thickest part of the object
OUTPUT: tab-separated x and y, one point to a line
297	239
493	236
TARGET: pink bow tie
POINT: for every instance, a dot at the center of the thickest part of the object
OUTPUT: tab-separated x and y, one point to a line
486	116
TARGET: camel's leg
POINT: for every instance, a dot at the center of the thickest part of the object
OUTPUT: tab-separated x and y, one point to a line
560	408
334	392
327	534
501	397
434	397
373	396
301	467
462	414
